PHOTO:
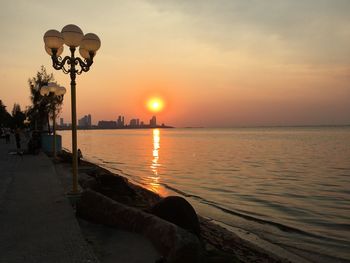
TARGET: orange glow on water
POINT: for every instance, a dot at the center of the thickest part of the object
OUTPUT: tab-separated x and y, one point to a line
154	184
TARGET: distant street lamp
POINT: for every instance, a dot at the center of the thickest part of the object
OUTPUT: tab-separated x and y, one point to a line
73	37
52	89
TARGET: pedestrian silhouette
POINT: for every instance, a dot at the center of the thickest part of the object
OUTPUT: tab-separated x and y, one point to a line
80	156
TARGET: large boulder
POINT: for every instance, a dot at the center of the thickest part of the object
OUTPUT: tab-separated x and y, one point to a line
178	211
118	188
174	243
87	181
111	185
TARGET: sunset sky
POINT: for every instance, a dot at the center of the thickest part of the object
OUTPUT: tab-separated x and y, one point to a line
214	63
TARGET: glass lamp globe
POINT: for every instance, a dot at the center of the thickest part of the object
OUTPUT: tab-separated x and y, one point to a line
52	87
60	91
53	39
84	53
91	42
49	50
72	35
44	90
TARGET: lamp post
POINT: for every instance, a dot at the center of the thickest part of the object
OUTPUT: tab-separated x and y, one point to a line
88	44
54	90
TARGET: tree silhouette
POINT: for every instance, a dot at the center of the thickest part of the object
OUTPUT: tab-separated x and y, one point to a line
5	117
41	110
18	116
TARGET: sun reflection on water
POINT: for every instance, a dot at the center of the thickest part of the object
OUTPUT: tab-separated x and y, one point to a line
154	179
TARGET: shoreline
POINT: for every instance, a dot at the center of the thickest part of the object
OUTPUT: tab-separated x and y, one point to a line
218	239
245	235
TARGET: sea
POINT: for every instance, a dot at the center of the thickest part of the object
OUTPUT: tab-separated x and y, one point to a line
286	189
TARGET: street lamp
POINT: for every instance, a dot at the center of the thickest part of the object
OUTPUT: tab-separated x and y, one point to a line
56	91
88	44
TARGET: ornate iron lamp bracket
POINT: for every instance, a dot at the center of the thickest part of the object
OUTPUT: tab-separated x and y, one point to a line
59	63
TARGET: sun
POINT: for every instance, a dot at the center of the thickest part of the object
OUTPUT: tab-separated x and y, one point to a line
155	104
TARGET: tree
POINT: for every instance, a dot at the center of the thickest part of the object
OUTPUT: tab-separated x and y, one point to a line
18	116
5	117
41	110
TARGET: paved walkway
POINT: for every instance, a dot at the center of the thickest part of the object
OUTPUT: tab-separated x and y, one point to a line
37	224
110	244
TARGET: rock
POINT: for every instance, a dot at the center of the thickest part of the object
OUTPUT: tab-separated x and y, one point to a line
65	156
112	185
174	243
112	180
178	211
86	181
117	188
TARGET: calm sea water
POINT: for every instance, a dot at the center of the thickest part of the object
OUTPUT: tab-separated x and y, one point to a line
287	186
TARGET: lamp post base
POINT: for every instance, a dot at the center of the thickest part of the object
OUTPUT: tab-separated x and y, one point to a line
74	197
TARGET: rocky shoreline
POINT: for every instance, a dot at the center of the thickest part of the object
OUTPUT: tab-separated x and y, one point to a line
217	244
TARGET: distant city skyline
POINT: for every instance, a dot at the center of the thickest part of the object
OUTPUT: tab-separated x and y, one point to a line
119	122
214	63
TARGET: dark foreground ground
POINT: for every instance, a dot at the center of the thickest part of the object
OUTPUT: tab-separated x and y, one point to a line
37	223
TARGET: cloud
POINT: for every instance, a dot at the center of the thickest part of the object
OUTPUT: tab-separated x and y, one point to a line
307	32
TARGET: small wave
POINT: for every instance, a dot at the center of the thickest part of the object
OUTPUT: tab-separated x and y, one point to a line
108	162
215	189
284	171
280	226
227	169
114	169
317	254
341	168
345	175
181	192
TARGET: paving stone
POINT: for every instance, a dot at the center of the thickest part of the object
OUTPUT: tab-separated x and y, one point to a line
37	223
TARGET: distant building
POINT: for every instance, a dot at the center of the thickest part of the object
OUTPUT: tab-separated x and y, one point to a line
85	122
89	122
107	125
153	122
134	123
120	122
